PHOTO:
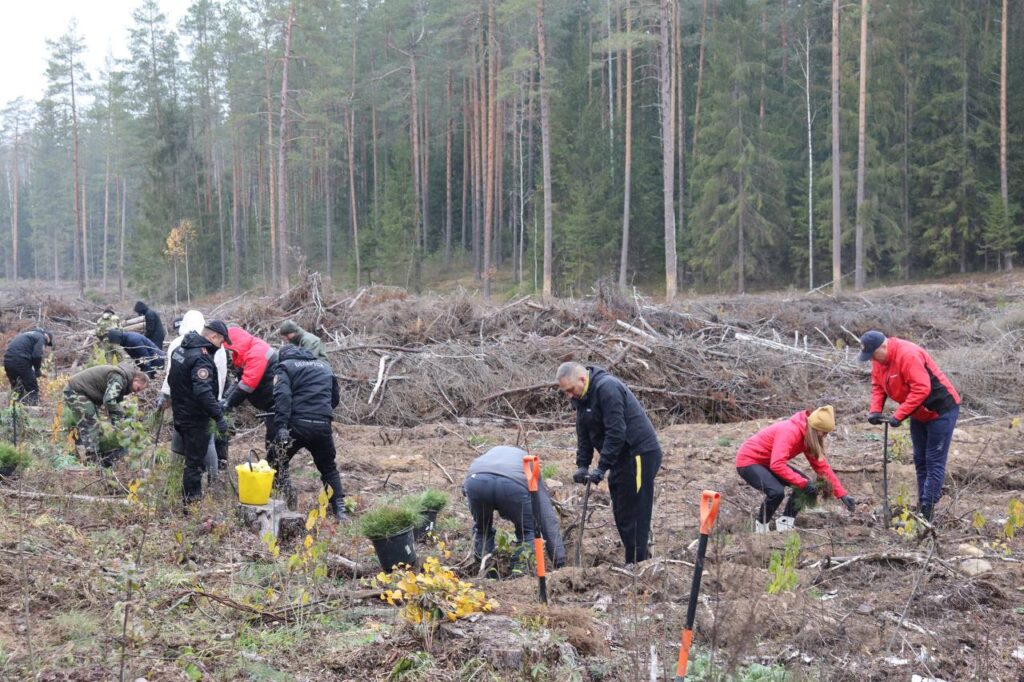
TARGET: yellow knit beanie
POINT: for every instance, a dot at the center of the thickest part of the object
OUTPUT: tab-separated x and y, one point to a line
822	419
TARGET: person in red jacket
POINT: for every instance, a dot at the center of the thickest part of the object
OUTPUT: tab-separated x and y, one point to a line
257	361
763	462
904	371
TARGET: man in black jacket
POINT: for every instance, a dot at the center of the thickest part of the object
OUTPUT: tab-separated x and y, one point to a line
305	395
192	378
610	419
23	362
154	326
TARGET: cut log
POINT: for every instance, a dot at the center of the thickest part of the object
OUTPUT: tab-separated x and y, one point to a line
274	517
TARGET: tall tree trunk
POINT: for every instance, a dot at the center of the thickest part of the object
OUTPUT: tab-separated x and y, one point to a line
79	211
478	157
858	268
810	151
376	177
417	187
282	154
1004	190
120	246
964	140
627	164
271	180
492	124
218	181
448	133
425	170
680	108
545	144
667	152
466	160
837	232
16	190
106	204
236	200
905	168
353	209
700	77
328	190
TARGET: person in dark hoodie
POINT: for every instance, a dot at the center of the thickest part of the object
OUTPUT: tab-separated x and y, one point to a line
193	382
496	482
139	348
610	419
305	395
23	363
154	326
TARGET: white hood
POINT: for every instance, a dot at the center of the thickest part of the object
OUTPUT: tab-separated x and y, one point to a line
193	321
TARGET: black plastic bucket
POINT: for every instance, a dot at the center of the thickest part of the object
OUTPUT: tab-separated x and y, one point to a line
429	518
399	548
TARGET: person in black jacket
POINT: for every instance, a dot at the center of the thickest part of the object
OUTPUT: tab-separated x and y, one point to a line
305	395
23	362
610	419
192	378
154	326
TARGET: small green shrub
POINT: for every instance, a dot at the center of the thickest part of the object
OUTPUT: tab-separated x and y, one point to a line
385	520
782	568
432	500
548	471
11	456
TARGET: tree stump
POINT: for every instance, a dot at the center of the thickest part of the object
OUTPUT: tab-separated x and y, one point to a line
274	517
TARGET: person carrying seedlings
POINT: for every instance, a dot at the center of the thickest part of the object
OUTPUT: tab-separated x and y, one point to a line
609	419
294	334
305	395
906	373
257	361
496	482
146	354
763	462
154	330
102	386
23	363
193	321
193	382
107	321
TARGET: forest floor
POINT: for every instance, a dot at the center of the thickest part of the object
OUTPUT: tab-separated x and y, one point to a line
103	579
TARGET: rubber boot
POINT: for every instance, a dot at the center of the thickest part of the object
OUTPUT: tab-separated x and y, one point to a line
927	511
785	524
760	528
337	509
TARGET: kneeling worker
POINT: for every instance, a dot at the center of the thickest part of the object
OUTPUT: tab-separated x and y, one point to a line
496	482
305	395
96	387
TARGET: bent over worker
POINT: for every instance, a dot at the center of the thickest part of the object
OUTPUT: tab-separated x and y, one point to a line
496	482
144	352
23	363
193	381
763	462
257	362
296	335
305	395
905	372
610	419
102	386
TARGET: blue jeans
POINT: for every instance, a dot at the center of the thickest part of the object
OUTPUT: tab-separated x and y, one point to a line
931	448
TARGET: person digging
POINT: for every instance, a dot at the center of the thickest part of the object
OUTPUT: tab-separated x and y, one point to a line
193	385
610	419
496	482
144	352
297	336
905	372
763	462
95	388
23	363
305	395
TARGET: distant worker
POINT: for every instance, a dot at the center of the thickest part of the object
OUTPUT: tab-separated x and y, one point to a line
112	353
496	482
305	395
154	326
609	419
193	381
23	362
193	321
257	361
906	373
144	352
763	462
102	386
294	334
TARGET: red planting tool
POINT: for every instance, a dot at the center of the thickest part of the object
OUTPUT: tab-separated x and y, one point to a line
708	511
531	466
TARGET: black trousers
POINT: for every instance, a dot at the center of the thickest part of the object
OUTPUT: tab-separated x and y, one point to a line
22	376
633	501
263	400
774	489
317	437
489	493
195	439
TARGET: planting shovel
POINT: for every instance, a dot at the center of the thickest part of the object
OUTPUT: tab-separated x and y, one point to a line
708	511
583	523
886	517
531	466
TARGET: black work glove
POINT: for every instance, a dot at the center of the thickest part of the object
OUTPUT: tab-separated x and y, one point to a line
222	427
283	436
224	407
875	418
848	501
581	475
894	422
597	475
810	489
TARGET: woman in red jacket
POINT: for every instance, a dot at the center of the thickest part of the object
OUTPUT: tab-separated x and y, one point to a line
904	371
763	462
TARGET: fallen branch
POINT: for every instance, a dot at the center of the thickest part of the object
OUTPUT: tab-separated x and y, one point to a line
513	391
443	470
636	330
913	593
30	495
380	377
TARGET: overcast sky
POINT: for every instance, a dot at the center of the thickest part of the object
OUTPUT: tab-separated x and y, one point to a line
26	25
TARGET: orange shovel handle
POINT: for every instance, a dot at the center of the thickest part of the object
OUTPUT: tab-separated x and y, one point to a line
531	467
708	510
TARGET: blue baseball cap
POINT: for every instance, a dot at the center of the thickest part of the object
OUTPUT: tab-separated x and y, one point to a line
869	344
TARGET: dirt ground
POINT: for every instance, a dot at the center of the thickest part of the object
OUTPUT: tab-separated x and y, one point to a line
206	599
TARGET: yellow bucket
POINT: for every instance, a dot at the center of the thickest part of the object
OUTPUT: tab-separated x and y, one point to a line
254	486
